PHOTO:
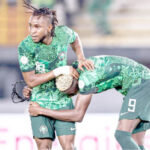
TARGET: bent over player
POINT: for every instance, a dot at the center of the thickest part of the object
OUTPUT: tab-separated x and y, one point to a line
126	76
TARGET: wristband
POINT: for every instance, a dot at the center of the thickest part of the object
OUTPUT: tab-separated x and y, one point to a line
61	70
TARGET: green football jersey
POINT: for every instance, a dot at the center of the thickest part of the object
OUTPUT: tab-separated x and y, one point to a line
44	58
112	72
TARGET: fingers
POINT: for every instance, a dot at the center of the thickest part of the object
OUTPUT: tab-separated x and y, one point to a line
26	96
27	88
33	104
30	89
88	64
80	67
27	92
75	75
74	72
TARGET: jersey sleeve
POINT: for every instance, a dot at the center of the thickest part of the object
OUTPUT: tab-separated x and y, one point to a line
73	36
87	82
65	34
26	57
109	84
99	86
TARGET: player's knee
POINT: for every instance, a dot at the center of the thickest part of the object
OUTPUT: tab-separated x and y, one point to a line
68	146
43	144
44	147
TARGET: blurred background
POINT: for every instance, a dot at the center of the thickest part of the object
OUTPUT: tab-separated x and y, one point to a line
106	27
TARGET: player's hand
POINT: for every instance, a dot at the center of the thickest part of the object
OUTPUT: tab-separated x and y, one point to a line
26	92
34	109
66	70
74	72
88	64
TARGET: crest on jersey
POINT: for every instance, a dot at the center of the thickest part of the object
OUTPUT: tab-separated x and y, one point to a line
24	60
81	84
43	129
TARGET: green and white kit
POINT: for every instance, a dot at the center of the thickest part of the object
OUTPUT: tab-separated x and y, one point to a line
44	58
126	76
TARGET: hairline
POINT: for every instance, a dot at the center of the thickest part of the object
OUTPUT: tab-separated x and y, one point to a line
39	16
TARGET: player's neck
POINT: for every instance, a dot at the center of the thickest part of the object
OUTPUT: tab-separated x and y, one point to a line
47	40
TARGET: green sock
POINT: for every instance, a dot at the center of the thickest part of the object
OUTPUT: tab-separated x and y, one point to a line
125	140
141	147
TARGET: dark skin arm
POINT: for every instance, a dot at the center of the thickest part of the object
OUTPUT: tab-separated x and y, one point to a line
33	79
75	115
77	47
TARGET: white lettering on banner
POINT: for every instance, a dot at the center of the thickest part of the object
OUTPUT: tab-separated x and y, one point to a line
96	132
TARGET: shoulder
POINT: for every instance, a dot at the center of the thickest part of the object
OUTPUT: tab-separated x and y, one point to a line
64	31
27	44
28	39
63	28
64	34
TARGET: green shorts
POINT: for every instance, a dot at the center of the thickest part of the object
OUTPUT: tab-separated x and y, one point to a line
136	105
45	127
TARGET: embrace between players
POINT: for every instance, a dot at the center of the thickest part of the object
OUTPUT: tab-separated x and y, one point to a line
43	62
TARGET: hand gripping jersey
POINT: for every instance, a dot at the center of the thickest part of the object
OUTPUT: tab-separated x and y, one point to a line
44	58
112	72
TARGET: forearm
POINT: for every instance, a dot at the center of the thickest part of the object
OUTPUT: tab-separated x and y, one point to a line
77	47
75	115
64	115
33	79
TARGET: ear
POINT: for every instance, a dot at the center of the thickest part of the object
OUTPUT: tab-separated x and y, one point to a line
50	27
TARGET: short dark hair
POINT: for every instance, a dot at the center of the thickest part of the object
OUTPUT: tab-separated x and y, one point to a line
51	14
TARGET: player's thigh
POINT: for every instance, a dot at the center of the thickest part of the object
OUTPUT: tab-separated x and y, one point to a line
135	107
127	125
136	103
65	129
43	127
43	144
66	133
67	141
139	137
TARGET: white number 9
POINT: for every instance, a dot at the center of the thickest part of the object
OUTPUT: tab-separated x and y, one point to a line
131	104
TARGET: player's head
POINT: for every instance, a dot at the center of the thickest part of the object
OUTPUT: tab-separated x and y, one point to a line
67	84
41	23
